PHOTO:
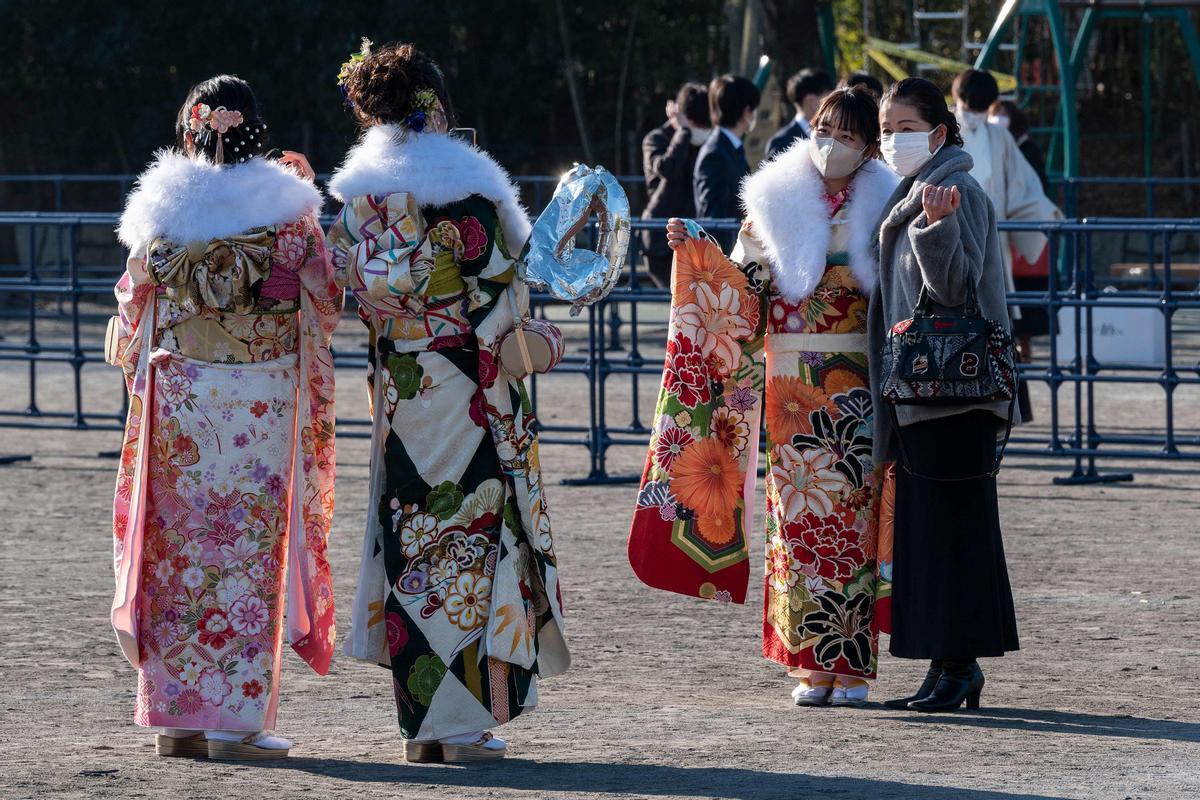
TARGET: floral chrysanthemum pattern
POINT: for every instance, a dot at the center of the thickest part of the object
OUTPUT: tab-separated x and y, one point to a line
727	364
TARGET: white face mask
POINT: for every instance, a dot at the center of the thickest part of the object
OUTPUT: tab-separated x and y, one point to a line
907	152
699	135
971	120
834	159
999	119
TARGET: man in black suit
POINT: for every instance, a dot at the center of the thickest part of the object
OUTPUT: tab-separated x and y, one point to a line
722	164
806	89
668	158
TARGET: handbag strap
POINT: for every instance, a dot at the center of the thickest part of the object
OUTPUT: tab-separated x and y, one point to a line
906	462
971	305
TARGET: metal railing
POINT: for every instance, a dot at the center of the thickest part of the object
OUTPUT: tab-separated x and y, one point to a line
536	190
1066	191
622	338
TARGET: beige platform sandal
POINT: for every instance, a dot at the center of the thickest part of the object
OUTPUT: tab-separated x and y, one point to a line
193	746
259	746
486	748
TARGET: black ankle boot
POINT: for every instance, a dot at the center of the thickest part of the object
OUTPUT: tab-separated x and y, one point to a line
926	688
961	680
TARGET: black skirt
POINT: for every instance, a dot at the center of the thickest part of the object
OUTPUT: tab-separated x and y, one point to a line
950	592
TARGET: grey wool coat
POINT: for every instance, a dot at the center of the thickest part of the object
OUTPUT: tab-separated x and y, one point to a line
961	247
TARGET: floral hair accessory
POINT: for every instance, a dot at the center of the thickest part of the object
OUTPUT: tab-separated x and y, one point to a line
211	126
425	103
218	119
349	66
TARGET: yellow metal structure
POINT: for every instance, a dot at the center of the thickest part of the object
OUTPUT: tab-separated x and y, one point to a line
882	53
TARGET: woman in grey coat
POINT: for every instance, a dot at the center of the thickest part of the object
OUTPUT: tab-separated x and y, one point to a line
951	601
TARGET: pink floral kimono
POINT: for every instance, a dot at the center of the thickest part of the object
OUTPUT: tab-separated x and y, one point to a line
225	490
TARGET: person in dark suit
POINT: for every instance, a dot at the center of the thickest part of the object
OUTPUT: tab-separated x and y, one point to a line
668	160
721	163
806	89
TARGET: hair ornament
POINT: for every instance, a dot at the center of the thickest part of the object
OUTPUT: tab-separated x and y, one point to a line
208	123
425	104
350	65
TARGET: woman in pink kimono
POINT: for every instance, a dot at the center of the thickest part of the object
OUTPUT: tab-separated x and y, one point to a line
780	324
225	490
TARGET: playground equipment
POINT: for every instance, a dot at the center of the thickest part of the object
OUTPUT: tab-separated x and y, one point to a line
1070	26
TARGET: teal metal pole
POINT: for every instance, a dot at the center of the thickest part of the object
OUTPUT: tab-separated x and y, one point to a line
999	30
1066	98
828	36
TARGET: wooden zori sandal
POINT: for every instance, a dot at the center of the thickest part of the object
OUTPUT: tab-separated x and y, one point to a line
193	746
418	752
248	749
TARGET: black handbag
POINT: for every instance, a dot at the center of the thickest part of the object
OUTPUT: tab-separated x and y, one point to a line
943	359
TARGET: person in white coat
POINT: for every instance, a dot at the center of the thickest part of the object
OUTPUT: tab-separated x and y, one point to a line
1006	176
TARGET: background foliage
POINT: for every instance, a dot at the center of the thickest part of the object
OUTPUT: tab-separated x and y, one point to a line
93	86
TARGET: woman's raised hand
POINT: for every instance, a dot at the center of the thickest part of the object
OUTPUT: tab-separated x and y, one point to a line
298	164
939	202
676	232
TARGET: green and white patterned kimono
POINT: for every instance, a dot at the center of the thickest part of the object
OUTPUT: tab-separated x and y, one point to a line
458	589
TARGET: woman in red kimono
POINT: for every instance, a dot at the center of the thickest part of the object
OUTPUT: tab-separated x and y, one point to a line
225	491
783	318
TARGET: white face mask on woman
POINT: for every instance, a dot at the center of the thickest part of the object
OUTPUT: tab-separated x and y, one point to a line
834	159
970	120
699	135
907	152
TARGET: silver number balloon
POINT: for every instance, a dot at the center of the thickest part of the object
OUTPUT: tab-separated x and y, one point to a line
554	264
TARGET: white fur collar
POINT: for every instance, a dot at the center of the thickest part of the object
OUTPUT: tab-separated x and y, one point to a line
783	200
435	169
191	200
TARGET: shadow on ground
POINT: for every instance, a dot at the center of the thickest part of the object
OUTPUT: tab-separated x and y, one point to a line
648	780
1060	722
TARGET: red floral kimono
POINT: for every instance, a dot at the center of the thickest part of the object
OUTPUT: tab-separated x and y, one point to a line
776	334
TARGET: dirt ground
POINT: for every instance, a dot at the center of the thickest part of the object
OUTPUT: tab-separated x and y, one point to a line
668	697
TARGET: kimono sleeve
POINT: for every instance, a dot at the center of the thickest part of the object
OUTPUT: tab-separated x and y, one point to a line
694	506
1025	199
133	291
318	278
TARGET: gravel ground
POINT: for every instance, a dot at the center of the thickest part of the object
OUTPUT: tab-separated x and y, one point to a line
668	697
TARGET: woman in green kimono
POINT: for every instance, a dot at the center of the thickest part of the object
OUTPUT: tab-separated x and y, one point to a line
458	591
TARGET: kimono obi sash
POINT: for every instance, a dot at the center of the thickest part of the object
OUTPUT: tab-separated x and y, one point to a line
406	289
837	306
232	274
416	324
816	343
225	300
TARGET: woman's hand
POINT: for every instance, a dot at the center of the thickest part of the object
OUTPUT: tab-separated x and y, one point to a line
298	164
939	202
676	232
